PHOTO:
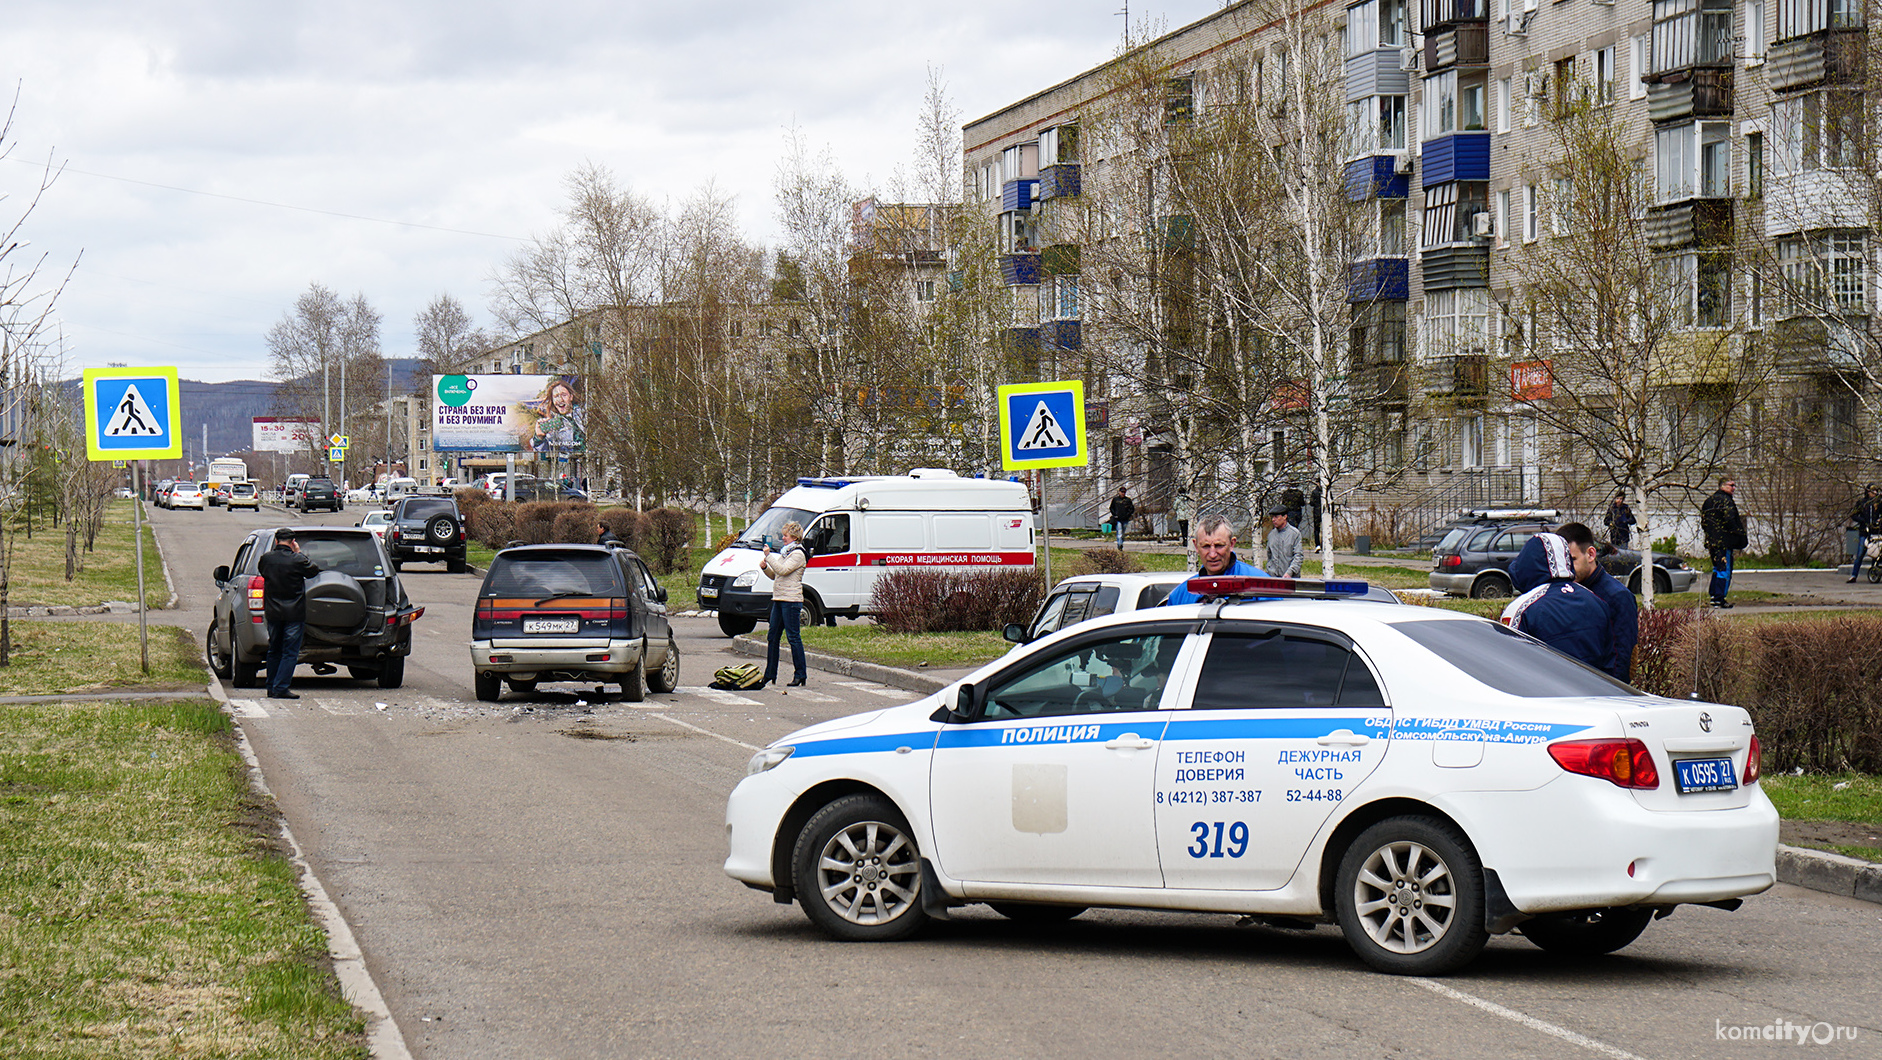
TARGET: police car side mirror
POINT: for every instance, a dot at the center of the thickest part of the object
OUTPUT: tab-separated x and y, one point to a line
1014	632
966	700
221	575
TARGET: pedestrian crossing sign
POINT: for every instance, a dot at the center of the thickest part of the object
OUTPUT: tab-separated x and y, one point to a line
132	414
1043	425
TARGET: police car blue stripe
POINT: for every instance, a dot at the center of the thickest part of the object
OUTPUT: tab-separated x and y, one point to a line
1076	728
856	745
1270	728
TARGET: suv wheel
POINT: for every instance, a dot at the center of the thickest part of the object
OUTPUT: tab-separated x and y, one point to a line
392	674
218	659
1490	587
441	529
634	682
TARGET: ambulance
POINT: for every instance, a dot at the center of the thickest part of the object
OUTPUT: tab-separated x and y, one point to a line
860	527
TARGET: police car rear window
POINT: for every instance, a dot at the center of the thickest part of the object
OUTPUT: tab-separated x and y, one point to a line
1510	662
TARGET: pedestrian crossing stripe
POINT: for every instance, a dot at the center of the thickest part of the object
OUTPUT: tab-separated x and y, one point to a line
132	414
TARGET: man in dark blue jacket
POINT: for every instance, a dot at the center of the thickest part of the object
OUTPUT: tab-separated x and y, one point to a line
1215	545
1553	607
1623	611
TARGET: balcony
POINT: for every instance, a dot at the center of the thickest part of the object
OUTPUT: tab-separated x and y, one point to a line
1694	222
1380	384
1456	156
1061	259
1021	344
1466	44
1019	269
1833	56
1439	13
1376	176
1705	93
1018	194
1696	358
1379	279
1465	376
1822	346
1455	266
1061	335
1061	181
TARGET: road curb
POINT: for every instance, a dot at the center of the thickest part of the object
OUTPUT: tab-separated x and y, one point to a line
384	1039
894	677
1830	873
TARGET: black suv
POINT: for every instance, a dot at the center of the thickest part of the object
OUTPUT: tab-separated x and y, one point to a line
1473	557
427	528
358	615
320	493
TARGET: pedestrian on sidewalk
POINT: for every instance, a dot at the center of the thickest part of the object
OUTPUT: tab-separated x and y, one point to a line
786	570
284	575
1284	553
1868	518
1725	534
1295	502
1620	521
1123	510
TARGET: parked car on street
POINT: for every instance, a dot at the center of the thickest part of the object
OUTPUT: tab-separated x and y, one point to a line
185	495
378	521
572	613
358	615
1473	558
427	528
243	495
1420	778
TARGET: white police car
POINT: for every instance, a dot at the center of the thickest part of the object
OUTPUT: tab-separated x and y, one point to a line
1422	778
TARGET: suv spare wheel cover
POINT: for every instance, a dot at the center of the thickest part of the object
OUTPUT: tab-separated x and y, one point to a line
335	601
441	528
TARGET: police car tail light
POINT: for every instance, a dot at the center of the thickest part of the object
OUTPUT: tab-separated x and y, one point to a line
1247	585
1623	763
1754	762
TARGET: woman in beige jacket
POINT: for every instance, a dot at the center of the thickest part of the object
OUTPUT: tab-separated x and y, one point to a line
786	570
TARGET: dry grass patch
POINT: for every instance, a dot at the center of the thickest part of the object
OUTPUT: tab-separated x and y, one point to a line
110	570
72	657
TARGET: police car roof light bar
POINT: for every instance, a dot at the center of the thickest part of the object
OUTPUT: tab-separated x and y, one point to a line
1244	585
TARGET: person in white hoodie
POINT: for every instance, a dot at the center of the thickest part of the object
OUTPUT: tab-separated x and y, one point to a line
786	571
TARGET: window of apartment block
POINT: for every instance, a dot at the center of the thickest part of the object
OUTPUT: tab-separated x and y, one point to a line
1826	272
1604	74
1471	437
1688	33
1503	217
924	290
1560	205
1503	105
1454	102
1058	145
1058	298
1636	68
1700	287
1562	86
1816	130
1450	208
1754	165
1020	162
735	329
1179	99
1532	213
1754	33
1693	160
1378	333
1457	321
1391	227
1797	18
1016	232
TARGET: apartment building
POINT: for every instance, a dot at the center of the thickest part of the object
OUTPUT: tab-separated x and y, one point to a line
1751	117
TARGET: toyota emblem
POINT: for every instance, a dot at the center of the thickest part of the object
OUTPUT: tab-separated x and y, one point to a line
1705	722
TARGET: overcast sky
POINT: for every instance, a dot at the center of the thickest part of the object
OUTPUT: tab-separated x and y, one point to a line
222	156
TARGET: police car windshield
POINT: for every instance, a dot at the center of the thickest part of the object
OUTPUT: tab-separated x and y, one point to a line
764	529
1510	662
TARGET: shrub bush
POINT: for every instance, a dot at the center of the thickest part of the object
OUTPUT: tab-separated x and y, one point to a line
626	523
492	525
1102	561
926	601
469	499
575	525
535	520
669	537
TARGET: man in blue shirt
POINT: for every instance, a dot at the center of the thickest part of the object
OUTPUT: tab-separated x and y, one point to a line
1215	543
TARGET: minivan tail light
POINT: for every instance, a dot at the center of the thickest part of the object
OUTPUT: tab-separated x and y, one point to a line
1623	763
1754	762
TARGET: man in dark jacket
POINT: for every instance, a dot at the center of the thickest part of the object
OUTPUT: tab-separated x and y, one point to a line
1620	521
1123	510
1868	519
284	574
1553	607
1725	533
1295	502
1623	610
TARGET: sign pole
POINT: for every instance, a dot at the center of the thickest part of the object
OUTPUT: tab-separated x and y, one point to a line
137	546
1045	523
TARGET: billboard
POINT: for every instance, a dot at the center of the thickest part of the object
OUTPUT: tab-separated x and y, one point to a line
508	414
285	434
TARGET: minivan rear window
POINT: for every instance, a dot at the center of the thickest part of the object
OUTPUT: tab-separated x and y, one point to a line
553	574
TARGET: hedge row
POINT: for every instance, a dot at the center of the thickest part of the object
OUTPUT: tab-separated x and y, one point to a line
661	537
1813	686
928	601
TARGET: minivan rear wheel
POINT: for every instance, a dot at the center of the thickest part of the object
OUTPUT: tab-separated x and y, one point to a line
634	682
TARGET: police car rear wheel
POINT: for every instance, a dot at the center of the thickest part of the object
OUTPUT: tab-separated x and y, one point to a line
1590	933
857	871
1410	897
1026	913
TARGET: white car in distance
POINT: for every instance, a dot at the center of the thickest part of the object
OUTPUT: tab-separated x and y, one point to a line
1421	778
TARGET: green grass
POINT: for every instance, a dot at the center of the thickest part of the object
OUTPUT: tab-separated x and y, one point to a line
146	909
51	656
109	572
1815	797
869	642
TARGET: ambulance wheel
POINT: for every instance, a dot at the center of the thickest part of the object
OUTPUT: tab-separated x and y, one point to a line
813	612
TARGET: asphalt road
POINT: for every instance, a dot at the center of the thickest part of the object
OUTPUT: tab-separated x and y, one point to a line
540	877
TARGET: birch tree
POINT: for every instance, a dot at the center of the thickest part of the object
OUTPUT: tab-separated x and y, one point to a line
324	355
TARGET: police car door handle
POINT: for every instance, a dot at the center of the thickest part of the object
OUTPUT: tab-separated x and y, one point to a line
1344	737
1130	741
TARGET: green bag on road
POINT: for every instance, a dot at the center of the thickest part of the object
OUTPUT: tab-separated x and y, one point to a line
738	678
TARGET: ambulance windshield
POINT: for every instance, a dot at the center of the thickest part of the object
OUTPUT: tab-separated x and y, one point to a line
764	530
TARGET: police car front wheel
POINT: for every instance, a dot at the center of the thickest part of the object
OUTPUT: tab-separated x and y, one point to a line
1410	897
857	871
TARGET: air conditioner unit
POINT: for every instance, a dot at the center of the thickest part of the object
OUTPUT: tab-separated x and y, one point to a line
1402	164
1480	225
1518	25
1408	56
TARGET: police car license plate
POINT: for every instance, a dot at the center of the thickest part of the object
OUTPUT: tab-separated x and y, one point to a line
552	625
1704	774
